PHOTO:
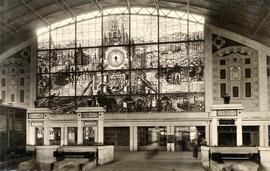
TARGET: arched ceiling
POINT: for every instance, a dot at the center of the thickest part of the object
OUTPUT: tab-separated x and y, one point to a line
19	19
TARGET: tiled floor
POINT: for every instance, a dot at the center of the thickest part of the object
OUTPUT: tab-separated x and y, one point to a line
152	161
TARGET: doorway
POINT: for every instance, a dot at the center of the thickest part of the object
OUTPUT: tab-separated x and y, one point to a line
227	136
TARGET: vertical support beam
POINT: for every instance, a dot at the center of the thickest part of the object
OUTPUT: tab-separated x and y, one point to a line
239	134
80	132
207	133
263	89
46	133
170	132
266	137
33	67
208	70
131	138
63	135
214	132
262	135
101	128
135	138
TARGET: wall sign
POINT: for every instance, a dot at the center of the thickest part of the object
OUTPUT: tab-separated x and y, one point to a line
227	112
37	124
35	116
226	122
90	123
89	115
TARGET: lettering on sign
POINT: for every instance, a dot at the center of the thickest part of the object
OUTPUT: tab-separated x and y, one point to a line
90	123
226	122
89	115
35	116
226	112
37	124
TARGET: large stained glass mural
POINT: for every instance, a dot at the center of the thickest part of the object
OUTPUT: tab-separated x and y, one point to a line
127	60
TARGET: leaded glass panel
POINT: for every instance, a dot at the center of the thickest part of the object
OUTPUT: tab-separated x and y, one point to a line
116	82
62	61
88	83
144	82
43	85
62	84
43	62
116	58
63	37
88	59
144	56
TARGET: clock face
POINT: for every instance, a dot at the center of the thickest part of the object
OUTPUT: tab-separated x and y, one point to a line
13	80
116	58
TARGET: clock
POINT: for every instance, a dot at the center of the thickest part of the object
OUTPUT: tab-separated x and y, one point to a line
235	73
115	58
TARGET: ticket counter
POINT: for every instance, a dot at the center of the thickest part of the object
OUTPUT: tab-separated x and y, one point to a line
84	127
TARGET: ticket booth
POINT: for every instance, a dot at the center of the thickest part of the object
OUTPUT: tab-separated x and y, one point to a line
83	127
226	125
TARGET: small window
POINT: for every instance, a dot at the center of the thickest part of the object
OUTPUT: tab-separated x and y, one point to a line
222	62
235	91
222	90
3	82
268	60
22	71
223	74
3	71
12	98
3	96
247	61
247	73
22	81
248	89
22	96
235	59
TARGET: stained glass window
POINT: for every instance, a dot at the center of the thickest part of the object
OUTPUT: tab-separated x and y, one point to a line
127	60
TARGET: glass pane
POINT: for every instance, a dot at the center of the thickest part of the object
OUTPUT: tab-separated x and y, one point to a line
196	53
43	40
174	80
172	29
173	55
62	61
62	104
88	83
43	81
196	31
63	84
116	58
144	82
63	37
116	30
88	59
43	62
89	33
144	56
144	29
116	82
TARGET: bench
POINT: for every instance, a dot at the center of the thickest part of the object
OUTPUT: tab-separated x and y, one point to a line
61	155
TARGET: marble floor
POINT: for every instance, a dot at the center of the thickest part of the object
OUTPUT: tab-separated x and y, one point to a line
152	161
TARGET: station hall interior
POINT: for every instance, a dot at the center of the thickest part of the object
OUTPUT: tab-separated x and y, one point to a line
135	75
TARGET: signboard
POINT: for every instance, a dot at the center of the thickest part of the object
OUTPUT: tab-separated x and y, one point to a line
89	115
35	116
37	124
227	112
90	123
226	122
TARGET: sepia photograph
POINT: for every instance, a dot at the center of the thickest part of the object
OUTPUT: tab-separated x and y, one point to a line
135	85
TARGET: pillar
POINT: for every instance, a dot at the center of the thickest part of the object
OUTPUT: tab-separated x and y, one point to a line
100	130
65	132
239	134
214	132
263	89
266	136
80	132
133	138
207	134
263	134
170	132
208	70
46	133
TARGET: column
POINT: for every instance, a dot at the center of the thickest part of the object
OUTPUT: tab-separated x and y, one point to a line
80	132
100	130
263	89
131	138
207	134
65	132
31	135
214	133
33	71
63	135
208	70
170	132
266	140
262	135
239	134
46	133
135	138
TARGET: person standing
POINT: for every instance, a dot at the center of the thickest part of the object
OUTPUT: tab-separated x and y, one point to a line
195	149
